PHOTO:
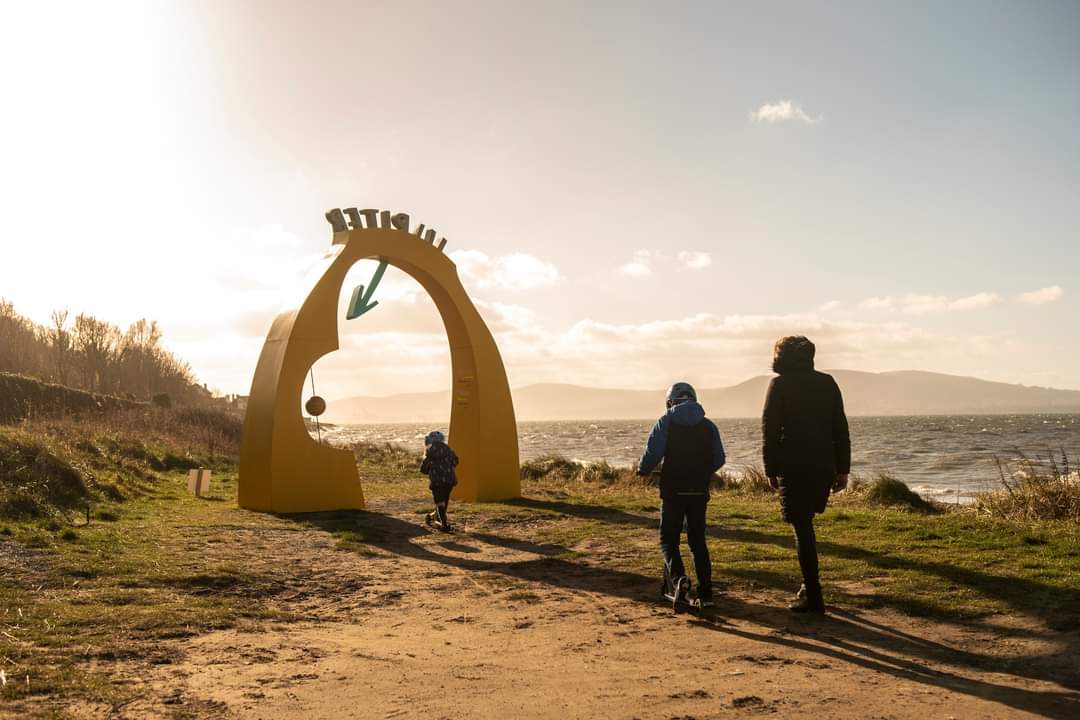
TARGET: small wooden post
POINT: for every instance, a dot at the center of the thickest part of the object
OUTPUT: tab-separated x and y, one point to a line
198	482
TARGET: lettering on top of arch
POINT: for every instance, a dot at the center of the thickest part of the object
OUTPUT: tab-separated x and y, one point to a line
284	469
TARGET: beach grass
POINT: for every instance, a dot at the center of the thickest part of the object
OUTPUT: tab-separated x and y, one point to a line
1031	489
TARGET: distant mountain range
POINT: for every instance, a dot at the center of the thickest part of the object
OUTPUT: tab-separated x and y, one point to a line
905	392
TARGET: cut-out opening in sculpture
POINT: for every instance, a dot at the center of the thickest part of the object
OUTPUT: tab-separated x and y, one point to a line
398	347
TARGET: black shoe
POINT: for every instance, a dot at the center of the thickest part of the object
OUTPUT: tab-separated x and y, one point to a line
429	518
808	601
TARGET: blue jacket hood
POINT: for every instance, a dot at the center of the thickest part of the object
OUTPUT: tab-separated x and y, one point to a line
687	413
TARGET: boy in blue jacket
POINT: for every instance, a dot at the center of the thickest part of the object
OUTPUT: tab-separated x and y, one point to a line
439	463
689	445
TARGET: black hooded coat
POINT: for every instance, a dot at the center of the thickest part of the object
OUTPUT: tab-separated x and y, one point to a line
805	439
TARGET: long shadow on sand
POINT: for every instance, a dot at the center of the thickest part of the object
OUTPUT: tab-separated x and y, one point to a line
842	636
1057	606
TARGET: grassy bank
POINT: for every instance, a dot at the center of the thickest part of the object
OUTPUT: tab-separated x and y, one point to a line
25	397
80	600
92	571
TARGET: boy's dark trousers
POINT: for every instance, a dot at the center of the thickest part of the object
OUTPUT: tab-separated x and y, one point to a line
441	495
674	512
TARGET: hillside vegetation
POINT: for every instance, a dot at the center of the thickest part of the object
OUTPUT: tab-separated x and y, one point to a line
24	397
85	353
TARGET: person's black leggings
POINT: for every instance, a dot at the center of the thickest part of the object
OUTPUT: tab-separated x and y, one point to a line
806	546
441	495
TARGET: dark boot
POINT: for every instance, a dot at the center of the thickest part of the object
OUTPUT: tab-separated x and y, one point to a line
809	600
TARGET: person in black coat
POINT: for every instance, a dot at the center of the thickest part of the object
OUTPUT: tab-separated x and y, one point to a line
806	449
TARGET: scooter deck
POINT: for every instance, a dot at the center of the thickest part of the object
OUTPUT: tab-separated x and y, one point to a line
682	604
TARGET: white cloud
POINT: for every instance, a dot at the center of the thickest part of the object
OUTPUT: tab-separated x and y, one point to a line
524	271
643	263
707	331
717	349
783	111
975	302
640	265
518	271
877	303
830	306
694	259
924	304
1042	296
503	316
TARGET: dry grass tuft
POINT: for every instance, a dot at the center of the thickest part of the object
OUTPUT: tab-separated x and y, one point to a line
556	468
34	479
560	469
1032	490
887	491
550	467
751	481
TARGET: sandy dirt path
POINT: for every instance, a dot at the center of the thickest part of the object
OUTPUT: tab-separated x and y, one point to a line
483	624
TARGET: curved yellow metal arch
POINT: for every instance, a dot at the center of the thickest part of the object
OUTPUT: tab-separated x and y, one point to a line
282	469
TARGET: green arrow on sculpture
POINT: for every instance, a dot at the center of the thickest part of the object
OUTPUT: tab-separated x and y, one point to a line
361	301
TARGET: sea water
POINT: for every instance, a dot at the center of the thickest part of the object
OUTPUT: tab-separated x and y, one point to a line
945	457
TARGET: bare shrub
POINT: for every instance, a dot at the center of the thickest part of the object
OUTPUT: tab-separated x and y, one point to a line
604	472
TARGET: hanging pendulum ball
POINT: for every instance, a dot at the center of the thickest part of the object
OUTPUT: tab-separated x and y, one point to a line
315	406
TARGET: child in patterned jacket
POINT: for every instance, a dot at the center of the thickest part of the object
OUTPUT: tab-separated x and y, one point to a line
438	465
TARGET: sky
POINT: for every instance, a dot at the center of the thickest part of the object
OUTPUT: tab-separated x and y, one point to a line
634	193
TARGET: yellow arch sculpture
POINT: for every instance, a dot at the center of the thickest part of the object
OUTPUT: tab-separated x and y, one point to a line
282	469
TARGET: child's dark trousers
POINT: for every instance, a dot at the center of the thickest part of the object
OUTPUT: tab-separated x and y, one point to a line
674	513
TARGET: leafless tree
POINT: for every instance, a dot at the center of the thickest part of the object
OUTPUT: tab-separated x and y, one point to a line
138	358
95	344
18	343
59	338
